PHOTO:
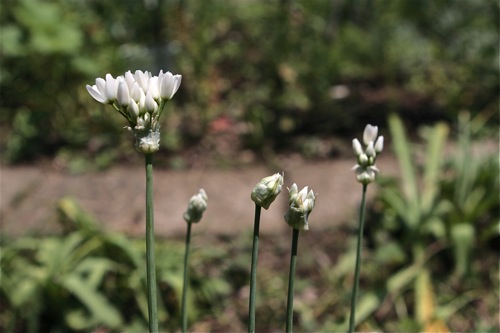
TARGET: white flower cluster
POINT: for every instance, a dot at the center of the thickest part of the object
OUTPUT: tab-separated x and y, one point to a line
266	191
140	98
196	206
366	169
301	205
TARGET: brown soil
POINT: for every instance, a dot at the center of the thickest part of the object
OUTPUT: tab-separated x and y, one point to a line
29	196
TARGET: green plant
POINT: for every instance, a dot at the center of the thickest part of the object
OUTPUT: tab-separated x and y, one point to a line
94	279
70	273
471	187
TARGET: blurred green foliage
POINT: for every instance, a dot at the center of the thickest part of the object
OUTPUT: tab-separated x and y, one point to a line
86	279
276	69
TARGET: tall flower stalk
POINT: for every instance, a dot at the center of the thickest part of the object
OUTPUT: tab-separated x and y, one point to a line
301	205
196	206
150	248
366	172
263	195
140	99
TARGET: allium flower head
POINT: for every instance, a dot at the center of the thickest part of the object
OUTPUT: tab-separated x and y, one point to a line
140	98
266	191
365	169
196	206
301	205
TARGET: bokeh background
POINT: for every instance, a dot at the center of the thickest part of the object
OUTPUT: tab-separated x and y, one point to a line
262	79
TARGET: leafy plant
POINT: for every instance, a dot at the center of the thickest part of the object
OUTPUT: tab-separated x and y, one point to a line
471	187
87	279
426	214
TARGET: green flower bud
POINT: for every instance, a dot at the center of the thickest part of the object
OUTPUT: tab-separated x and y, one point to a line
196	206
266	191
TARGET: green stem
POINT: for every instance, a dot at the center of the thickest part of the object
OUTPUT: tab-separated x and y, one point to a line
291	281
354	295
253	274
150	246
185	284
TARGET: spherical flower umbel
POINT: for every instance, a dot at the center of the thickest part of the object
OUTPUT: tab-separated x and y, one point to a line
196	206
365	169
140	98
301	205
266	191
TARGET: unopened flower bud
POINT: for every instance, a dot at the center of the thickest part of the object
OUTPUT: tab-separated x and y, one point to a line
150	104
301	205
266	191
111	88
133	109
123	95
196	206
136	92
379	144
370	134
370	151
363	159
356	146
153	87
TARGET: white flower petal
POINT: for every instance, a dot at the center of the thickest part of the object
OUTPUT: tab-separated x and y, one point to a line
101	85
94	92
169	84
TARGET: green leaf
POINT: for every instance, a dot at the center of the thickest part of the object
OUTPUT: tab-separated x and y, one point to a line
95	269
463	237
402	149
366	306
402	278
433	165
394	199
94	301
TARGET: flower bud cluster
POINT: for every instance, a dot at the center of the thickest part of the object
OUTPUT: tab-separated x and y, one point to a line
196	206
301	205
140	98
266	191
365	169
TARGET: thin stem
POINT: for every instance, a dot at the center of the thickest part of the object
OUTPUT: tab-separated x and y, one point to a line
253	274
185	284
150	246
291	281
354	295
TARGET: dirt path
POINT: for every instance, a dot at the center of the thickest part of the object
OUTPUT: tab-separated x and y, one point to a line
30	195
